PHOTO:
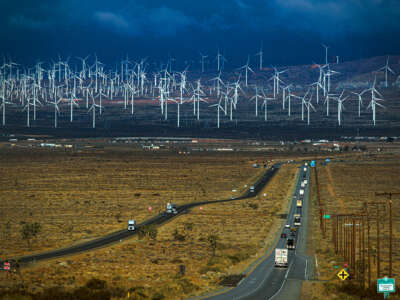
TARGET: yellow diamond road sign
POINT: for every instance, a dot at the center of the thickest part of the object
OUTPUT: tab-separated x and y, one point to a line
343	275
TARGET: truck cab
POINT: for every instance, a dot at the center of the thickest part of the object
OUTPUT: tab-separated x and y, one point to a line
290	244
171	208
131	225
297	220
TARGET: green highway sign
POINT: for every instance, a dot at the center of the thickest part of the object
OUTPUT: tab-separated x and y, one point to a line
386	286
327	216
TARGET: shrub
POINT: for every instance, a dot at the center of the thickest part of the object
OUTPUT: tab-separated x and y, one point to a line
178	236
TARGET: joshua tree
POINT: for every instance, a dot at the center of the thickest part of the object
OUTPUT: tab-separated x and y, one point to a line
212	240
29	231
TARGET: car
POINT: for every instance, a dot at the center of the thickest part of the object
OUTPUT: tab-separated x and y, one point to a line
287	225
283	235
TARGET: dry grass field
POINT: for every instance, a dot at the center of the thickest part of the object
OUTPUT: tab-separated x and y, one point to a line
78	196
344	187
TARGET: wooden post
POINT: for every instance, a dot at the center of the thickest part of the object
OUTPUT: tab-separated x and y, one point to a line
390	236
369	250
363	251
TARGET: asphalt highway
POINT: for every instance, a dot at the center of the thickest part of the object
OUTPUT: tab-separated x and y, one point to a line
269	282
156	220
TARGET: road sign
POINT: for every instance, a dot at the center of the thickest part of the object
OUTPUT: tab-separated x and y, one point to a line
386	286
343	275
327	216
6	266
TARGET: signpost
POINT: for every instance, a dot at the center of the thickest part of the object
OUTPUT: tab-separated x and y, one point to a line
343	275
386	286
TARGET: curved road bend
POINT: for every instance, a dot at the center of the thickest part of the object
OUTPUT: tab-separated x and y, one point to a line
268	282
156	220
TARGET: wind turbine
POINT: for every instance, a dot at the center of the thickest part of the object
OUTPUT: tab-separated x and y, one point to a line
386	68
247	68
374	102
56	109
318	86
219	107
72	103
3	108
359	101
256	97
326	53
260	54
265	104
203	57
218	58
327	98
27	107
340	106
219	82
304	103
178	103
308	105
93	109
276	79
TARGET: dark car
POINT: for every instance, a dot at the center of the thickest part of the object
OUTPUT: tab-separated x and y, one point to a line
283	235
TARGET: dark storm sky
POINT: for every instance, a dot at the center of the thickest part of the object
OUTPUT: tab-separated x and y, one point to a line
291	30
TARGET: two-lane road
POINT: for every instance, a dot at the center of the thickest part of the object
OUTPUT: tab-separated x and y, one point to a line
266	281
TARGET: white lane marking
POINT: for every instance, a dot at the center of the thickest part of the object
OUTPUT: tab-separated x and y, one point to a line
316	264
305	271
283	283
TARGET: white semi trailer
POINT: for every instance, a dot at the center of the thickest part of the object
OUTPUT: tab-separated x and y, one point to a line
281	257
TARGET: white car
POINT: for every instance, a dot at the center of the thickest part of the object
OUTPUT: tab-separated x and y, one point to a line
287	226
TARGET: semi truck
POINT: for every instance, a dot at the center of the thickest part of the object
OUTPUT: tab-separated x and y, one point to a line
131	225
281	257
297	220
171	208
290	243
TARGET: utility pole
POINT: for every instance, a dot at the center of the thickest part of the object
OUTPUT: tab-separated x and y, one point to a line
353	246
389	195
378	205
363	251
368	248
